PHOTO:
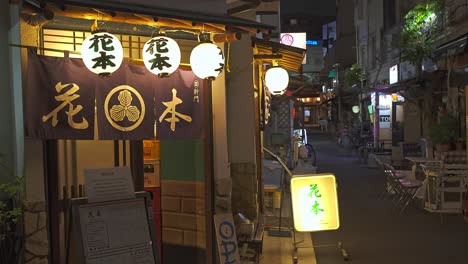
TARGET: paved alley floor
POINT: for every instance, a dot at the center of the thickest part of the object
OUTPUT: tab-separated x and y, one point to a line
371	231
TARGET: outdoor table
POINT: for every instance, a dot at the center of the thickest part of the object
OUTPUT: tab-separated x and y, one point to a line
420	160
434	186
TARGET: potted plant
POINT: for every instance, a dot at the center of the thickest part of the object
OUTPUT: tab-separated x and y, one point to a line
11	211
443	134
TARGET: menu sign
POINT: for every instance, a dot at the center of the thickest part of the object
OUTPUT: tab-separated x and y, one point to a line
116	233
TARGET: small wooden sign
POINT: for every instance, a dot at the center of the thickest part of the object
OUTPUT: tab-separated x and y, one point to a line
227	240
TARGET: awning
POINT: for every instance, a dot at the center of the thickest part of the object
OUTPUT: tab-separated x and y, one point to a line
288	57
147	15
452	47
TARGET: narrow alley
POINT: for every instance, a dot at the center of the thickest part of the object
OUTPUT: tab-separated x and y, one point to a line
371	231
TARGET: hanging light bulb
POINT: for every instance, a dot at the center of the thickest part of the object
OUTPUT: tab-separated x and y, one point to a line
102	53
161	56
277	79
207	61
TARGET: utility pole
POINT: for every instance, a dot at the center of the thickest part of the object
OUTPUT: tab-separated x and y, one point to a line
337	84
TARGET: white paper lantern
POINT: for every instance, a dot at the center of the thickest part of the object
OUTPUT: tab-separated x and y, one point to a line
207	61
356	109
102	53
161	56
277	79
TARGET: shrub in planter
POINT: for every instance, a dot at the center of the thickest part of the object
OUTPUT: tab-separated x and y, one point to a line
11	211
444	133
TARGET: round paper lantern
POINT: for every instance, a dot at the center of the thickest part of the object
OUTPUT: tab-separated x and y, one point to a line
356	109
277	79
102	53
161	56
207	61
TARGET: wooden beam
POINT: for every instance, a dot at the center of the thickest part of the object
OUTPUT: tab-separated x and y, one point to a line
228	37
137	19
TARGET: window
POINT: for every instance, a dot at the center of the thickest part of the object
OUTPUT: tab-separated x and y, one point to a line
71	40
132	45
389	13
372	52
360	6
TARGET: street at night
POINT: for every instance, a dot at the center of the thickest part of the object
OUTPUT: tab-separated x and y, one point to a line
233	131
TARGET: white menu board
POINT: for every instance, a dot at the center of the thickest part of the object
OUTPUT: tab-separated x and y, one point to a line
116	233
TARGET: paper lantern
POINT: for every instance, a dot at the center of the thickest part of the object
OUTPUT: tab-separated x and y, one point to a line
207	61
277	79
102	53
356	109
161	56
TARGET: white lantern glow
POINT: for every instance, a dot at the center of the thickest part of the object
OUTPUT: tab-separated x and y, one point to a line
207	61
102	53
356	109
161	56
277	79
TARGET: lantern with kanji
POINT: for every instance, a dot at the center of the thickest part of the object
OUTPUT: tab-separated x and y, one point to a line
207	61
102	53
161	56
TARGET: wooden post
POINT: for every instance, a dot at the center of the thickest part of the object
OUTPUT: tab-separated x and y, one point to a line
466	117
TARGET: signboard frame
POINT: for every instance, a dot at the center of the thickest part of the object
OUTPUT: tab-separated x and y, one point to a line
332	201
75	247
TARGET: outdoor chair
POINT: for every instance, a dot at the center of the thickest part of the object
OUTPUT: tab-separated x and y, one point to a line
405	188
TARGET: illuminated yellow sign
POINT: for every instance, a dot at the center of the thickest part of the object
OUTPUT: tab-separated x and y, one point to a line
315	202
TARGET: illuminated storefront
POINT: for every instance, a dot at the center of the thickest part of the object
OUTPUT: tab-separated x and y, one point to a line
139	112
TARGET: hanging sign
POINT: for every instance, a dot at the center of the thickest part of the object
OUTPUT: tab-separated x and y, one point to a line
131	104
124	104
315	202
58	101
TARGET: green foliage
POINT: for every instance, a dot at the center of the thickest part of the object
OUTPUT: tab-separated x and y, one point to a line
422	26
11	208
353	75
445	131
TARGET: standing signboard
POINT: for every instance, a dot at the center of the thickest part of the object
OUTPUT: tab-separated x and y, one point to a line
226	239
113	232
315	202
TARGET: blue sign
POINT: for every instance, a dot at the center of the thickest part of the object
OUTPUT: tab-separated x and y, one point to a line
312	42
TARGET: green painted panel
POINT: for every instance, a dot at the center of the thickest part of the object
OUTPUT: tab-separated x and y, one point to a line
183	160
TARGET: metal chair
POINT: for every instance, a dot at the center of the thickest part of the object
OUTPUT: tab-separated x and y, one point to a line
405	188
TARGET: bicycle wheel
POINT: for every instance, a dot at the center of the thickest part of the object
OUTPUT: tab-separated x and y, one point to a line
311	155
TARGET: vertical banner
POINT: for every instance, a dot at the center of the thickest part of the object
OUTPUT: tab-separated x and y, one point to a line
179	106
125	103
58	98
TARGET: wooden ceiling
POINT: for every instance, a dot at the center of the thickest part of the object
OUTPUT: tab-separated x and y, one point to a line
141	15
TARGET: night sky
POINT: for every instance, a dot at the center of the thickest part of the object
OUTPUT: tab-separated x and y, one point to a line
309	7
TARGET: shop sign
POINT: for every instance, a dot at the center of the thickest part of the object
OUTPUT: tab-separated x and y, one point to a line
383	107
298	40
315	202
393	73
228	250
61	98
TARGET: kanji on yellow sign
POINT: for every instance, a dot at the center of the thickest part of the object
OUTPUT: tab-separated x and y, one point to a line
315	202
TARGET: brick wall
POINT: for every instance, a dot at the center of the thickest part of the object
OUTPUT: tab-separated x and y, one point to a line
183	213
